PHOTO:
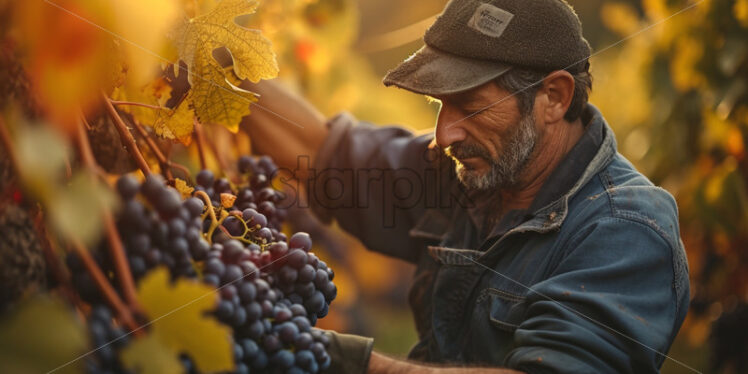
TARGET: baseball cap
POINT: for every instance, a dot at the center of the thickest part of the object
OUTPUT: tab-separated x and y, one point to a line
475	41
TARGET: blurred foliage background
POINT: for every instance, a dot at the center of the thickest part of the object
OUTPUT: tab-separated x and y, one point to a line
670	76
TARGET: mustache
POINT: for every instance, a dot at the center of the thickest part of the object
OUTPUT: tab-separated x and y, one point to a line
464	150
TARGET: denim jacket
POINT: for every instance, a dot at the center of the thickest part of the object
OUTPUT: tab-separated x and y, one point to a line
594	281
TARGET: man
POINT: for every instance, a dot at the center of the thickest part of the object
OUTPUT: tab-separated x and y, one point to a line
552	254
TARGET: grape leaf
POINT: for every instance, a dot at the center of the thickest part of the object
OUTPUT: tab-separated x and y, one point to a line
177	123
215	95
196	38
40	335
216	98
155	93
179	320
149	356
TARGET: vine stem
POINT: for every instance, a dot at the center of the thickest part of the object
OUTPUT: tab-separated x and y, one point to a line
126	136
132	103
199	141
124	314
214	222
121	266
58	271
164	161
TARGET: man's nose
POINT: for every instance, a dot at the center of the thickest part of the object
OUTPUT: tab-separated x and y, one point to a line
449	128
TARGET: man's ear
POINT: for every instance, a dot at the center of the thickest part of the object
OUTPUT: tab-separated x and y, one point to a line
558	86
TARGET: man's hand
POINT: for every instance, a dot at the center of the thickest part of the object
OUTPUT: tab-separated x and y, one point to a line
380	364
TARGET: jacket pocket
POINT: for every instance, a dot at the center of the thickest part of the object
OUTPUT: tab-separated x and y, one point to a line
506	310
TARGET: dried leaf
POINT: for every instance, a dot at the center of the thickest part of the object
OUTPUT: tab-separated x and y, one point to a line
180	321
183	188
227	200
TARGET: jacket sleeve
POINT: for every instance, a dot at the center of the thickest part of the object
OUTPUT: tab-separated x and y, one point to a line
610	306
374	181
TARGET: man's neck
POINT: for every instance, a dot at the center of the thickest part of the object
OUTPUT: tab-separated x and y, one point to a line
553	145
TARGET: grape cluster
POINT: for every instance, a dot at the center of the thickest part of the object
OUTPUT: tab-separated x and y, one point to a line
272	288
255	199
108	340
272	332
170	234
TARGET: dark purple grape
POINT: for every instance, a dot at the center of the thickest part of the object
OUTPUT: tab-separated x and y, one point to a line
247	292
261	360
177	227
127	187
306	274
194	206
282	314
234	226
222	185
205	178
304	359
300	240
233	274
215	266
288	274
283	359
296	258
250	348
304	340
287	332
254	311
224	310
271	343
302	322
247	164
316	302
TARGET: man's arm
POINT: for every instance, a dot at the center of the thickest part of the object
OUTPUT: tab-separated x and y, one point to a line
380	364
283	125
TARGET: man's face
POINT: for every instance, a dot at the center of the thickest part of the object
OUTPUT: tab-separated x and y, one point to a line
493	144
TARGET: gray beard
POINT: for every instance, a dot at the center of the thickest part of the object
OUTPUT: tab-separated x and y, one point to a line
505	170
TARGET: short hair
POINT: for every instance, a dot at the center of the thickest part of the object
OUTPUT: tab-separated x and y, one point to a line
524	84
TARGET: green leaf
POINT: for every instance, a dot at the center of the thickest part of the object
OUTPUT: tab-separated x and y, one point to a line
149	356
76	210
180	322
42	334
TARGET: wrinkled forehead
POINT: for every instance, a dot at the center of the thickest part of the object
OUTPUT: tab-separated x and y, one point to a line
487	93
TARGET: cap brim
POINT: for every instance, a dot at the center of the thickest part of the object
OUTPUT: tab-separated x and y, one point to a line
433	72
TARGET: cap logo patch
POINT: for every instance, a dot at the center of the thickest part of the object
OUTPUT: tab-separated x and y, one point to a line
490	20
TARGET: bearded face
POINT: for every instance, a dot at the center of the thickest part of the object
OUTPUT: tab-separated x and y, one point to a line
503	170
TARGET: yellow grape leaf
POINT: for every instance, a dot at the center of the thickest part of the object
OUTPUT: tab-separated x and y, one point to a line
155	93
41	335
196	38
183	188
216	98
174	124
149	356
177	123
179	320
